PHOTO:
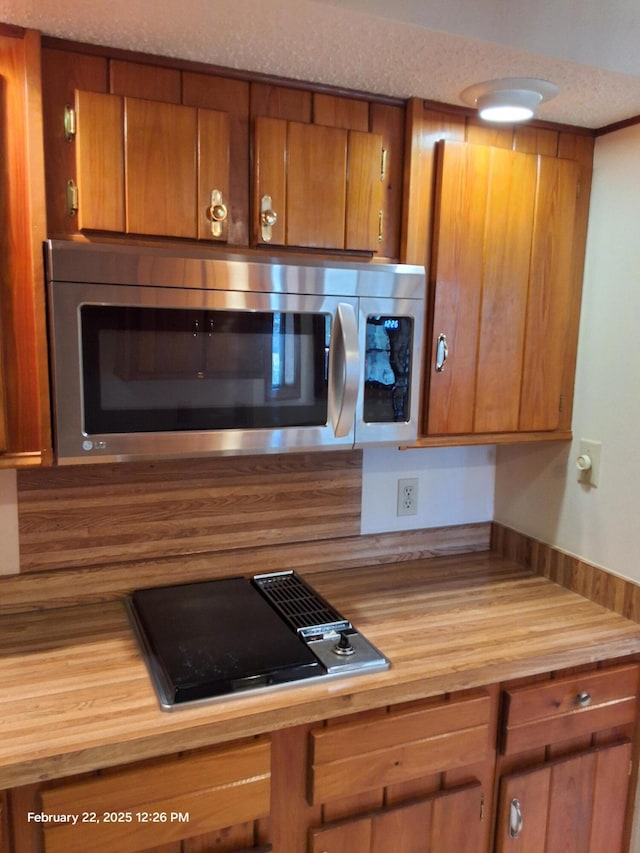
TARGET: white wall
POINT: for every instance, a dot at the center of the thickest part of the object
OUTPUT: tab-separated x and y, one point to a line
9	553
455	486
537	489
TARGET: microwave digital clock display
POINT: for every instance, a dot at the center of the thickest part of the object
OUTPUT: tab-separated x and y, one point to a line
388	369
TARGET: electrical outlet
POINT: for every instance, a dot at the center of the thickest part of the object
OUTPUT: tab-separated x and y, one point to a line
407	496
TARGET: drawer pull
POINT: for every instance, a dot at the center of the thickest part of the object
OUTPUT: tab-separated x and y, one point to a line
583	700
515	819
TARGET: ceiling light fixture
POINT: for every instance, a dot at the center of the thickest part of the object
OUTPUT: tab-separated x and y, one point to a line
509	99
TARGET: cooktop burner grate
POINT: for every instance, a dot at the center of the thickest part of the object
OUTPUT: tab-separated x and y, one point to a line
300	605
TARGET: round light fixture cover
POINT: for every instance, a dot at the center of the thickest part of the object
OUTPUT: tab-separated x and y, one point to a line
509	99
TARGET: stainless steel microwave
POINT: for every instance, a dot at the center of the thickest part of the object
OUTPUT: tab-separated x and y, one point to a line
158	353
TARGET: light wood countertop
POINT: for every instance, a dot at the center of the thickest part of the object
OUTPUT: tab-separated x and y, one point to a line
75	694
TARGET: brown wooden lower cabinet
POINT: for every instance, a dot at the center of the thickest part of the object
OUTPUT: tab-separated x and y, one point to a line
555	753
566	765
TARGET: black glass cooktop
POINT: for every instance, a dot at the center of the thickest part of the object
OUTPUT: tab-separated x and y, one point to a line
215	638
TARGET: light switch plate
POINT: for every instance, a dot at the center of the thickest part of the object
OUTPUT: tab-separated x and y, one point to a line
592	449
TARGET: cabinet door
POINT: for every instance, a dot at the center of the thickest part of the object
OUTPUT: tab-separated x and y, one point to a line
576	804
503	290
323	184
148	167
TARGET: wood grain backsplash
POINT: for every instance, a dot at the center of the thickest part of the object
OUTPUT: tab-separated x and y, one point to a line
611	591
88	515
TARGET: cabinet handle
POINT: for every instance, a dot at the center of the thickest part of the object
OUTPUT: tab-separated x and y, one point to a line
515	819
217	212
380	226
583	700
442	352
268	218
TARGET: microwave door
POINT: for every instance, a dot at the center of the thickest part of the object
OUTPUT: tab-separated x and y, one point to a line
145	372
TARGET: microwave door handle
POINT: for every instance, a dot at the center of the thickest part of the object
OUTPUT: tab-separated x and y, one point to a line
344	369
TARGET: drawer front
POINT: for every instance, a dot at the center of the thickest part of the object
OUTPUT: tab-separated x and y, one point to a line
352	757
162	801
568	707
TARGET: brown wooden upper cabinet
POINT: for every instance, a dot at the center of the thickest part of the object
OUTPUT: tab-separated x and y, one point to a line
317	186
148	167
504	290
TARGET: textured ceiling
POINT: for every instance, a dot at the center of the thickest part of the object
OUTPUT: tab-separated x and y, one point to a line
587	47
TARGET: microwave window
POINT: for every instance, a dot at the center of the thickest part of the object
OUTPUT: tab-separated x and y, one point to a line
166	369
388	369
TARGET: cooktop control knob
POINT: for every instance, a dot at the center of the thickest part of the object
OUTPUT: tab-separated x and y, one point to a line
343	646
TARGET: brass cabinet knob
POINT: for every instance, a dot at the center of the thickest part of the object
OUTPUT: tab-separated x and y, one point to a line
216	212
268	218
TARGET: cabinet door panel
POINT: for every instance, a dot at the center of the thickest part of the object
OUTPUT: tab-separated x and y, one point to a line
270	175
353	836
507	252
569	816
403	829
213	169
611	784
316	186
364	191
456	822
160	179
458	260
100	161
531	793
550	297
